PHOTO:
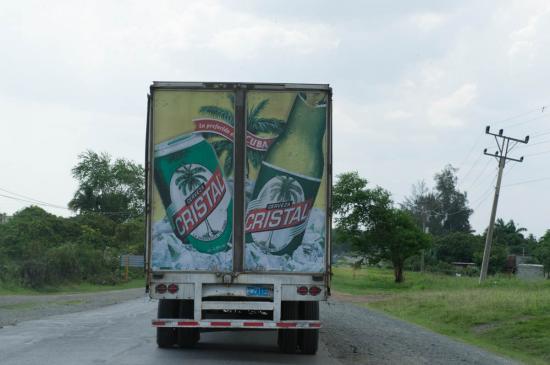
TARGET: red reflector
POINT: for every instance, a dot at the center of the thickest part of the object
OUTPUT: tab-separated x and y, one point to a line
220	324
188	323
314	290
160	288
173	288
302	290
253	324
286	324
315	325
159	323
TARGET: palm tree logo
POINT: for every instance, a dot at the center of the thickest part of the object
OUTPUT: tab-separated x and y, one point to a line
284	189
222	146
255	124
191	177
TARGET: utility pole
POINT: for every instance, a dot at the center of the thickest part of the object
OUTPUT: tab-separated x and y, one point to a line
425	230
503	143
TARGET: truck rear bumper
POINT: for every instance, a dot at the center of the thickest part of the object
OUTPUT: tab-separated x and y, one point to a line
250	324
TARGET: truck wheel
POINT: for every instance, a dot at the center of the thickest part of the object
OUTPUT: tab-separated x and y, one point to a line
166	336
288	339
187	337
308	340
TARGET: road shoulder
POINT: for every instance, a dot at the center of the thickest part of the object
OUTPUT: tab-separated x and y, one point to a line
355	334
17	308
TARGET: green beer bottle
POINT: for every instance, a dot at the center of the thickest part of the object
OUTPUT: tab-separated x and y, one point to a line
289	179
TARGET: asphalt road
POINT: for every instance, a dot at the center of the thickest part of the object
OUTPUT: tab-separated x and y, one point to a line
122	334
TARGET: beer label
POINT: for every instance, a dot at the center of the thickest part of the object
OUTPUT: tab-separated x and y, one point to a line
199	195
227	131
278	213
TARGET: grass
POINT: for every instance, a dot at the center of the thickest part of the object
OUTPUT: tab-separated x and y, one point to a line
504	315
8	289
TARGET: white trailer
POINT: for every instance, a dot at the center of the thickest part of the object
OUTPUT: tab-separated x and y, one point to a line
238	209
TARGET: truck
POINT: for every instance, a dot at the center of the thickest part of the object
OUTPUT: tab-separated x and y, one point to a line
238	209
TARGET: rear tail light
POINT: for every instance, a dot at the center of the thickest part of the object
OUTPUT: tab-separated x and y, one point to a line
173	288
160	288
302	290
314	290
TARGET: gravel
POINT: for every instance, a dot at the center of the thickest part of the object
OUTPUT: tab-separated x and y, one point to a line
357	335
17	308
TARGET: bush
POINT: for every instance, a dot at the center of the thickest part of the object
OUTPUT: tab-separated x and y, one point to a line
38	249
442	268
34	273
64	264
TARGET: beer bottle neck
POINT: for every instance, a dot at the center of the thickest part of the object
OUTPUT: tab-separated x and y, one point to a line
306	122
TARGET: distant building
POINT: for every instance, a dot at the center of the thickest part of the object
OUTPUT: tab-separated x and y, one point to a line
530	271
4	218
463	265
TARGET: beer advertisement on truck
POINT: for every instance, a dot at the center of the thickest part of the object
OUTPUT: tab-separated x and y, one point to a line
285	180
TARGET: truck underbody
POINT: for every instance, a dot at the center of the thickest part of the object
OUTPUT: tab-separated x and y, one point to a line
190	303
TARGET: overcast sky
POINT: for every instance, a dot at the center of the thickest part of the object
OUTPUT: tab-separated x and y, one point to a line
414	84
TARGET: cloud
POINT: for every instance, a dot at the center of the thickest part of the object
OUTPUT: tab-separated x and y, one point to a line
397	114
445	112
256	37
525	39
427	21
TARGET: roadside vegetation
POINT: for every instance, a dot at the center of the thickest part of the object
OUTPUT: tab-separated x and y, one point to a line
42	252
419	261
430	229
138	281
504	314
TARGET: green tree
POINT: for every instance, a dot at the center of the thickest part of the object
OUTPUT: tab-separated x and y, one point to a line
396	237
368	220
130	236
453	213
542	251
354	203
114	188
509	235
457	247
423	205
442	210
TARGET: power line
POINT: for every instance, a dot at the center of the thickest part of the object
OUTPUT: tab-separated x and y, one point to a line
538	153
527	121
33	202
527	181
543	133
471	185
470	152
470	169
36	200
535	144
542	108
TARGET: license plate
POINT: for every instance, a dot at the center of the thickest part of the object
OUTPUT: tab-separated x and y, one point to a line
257	291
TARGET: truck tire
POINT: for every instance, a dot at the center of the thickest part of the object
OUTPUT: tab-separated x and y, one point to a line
308	340
187	337
166	336
288	339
